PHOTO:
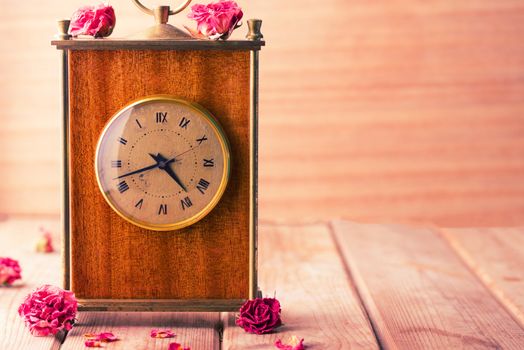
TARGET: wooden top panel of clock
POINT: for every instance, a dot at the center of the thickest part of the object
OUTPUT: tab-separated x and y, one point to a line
190	44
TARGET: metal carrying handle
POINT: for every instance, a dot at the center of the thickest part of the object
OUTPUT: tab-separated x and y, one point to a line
149	11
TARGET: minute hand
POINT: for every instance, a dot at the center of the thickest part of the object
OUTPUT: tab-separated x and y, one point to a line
142	170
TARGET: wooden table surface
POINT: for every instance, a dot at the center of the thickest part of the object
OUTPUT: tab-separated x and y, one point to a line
342	285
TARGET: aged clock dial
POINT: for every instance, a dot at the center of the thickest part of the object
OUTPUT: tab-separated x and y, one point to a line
162	163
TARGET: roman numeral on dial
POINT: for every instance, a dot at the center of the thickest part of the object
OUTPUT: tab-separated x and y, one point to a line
184	123
139	203
122	140
202	186
122	186
162	209
116	163
209	162
161	117
186	203
202	139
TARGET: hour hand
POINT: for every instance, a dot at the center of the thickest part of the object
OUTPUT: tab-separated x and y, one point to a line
173	175
165	165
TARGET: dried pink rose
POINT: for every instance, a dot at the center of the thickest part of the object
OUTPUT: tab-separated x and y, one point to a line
9	271
260	315
294	344
48	310
177	346
98	21
162	333
104	337
45	243
215	20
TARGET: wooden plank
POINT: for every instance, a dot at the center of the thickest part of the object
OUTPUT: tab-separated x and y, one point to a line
17	240
196	330
419	294
497	257
300	264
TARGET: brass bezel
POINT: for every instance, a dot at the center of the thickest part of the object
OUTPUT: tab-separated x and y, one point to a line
224	144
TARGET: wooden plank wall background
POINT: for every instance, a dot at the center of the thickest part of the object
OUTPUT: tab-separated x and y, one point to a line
370	110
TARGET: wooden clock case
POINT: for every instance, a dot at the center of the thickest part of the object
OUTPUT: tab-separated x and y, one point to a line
111	264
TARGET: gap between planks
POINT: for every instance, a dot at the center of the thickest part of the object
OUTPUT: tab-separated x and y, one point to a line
418	292
492	254
301	264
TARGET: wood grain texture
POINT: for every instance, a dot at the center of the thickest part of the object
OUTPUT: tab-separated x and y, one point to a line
497	257
419	294
199	331
415	109
114	259
301	265
17	241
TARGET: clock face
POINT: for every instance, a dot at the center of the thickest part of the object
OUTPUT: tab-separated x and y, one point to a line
162	163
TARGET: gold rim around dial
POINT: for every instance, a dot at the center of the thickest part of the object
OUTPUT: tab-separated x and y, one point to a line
124	115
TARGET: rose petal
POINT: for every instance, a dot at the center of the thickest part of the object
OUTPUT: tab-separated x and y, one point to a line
178	346
162	333
104	337
91	343
294	344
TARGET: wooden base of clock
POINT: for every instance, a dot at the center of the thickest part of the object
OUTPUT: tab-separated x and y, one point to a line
111	264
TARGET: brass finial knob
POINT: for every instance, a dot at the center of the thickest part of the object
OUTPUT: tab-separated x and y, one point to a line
161	30
254	32
63	27
161	14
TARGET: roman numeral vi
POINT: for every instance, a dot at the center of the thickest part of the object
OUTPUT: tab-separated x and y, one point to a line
186	203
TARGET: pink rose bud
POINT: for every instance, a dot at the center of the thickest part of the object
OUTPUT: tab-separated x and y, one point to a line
97	21
9	271
45	243
216	20
48	310
260	315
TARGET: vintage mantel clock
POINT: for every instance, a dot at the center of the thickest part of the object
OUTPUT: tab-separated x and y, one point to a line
160	169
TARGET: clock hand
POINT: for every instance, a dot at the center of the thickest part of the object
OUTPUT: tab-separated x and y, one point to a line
150	167
178	155
165	165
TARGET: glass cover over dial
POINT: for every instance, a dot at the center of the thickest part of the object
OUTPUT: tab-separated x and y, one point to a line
162	163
